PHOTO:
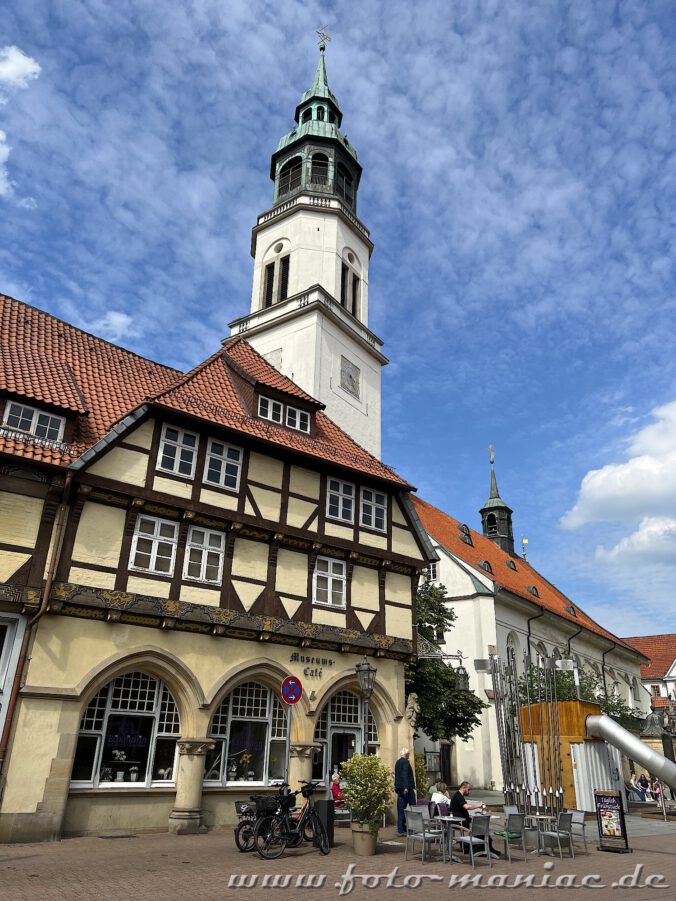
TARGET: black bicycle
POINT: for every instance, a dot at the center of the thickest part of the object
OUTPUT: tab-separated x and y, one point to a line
274	833
249	813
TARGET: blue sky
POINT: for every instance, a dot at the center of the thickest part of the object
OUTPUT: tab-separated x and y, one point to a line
520	187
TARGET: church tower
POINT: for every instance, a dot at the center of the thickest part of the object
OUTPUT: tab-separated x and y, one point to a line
496	517
309	304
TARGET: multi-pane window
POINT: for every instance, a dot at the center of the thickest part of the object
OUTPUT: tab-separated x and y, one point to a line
297	419
204	555
128	735
340	500
250	730
342	713
373	509
153	547
328	582
270	409
178	451
224	464
28	419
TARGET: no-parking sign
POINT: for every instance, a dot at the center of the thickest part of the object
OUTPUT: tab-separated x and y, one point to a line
292	689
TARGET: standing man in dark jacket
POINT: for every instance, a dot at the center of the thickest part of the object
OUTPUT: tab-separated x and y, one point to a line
404	785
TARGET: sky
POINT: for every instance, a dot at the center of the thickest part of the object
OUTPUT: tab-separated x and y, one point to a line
520	188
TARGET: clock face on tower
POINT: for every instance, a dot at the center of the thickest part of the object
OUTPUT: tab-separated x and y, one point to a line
350	377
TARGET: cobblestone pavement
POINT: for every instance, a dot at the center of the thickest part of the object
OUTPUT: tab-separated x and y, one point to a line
209	867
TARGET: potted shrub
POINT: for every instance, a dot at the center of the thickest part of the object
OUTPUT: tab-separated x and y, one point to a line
368	788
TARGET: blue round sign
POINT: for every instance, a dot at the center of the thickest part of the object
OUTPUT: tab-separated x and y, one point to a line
292	689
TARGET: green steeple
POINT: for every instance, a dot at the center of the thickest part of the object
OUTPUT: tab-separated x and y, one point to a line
320	83
496	516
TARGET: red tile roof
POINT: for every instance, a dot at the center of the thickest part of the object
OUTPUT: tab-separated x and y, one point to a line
213	391
47	361
662	652
446	531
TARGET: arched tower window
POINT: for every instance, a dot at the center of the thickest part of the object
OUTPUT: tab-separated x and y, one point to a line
513	651
345	185
128	735
350	284
319	173
290	175
320	113
307	115
251	735
491	524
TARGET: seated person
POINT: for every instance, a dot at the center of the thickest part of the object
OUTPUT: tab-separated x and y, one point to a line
439	796
336	792
636	788
460	807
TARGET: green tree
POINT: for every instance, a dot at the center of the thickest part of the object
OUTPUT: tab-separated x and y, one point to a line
445	712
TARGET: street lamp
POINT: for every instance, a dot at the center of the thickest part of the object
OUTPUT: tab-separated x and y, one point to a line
366	675
461	678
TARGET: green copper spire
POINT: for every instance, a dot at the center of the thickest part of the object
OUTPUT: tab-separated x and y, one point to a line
496	516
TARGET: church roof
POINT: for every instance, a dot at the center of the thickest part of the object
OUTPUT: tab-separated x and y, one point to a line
661	649
46	361
522	580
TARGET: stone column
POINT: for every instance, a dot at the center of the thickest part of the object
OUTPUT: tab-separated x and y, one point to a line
186	817
300	762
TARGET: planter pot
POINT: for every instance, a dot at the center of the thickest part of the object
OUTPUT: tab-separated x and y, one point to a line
363	840
119	776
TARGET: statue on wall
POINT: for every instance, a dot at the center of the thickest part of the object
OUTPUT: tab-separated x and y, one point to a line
412	710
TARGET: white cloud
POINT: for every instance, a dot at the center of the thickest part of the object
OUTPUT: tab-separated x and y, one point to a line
17	69
643	486
653	542
115	326
5	187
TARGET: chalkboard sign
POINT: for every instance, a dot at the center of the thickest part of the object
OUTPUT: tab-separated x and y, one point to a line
611	822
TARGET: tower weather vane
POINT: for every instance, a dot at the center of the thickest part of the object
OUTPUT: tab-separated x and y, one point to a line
324	38
491	453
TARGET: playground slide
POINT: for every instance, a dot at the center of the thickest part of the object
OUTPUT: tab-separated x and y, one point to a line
606	728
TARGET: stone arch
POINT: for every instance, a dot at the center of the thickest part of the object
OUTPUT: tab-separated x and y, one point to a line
381	702
166	667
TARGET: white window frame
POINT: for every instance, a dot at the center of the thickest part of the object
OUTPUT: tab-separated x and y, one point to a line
433	570
155	538
375	505
342	496
180	446
205	549
98	730
332	578
35	415
301	417
224	460
276	719
267	407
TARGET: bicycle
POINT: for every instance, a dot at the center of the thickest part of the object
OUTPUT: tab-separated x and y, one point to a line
274	833
249	814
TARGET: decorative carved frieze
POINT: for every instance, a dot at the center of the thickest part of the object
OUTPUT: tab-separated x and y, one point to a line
195	747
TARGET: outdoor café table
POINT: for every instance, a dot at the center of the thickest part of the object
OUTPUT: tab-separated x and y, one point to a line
541	821
450	824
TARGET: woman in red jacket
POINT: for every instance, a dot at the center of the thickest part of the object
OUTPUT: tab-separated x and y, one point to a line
336	793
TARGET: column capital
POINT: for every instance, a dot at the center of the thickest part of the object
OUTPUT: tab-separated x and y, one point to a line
195	746
303	749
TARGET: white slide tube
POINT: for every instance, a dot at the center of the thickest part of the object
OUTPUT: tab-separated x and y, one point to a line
631	746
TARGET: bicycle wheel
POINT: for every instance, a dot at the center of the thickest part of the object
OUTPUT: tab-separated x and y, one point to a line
269	838
244	835
321	835
308	831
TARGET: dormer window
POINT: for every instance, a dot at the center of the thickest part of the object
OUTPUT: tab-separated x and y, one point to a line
178	452
485	565
270	409
533	590
33	421
297	419
511	564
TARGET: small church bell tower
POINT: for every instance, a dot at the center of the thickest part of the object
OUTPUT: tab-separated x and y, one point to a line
309	302
496	516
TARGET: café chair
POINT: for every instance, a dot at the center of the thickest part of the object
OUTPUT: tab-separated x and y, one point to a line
514	831
475	840
563	829
418	830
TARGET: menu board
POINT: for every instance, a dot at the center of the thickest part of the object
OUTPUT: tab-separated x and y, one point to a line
611	822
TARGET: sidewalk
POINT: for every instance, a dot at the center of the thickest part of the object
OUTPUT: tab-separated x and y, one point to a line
209	867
